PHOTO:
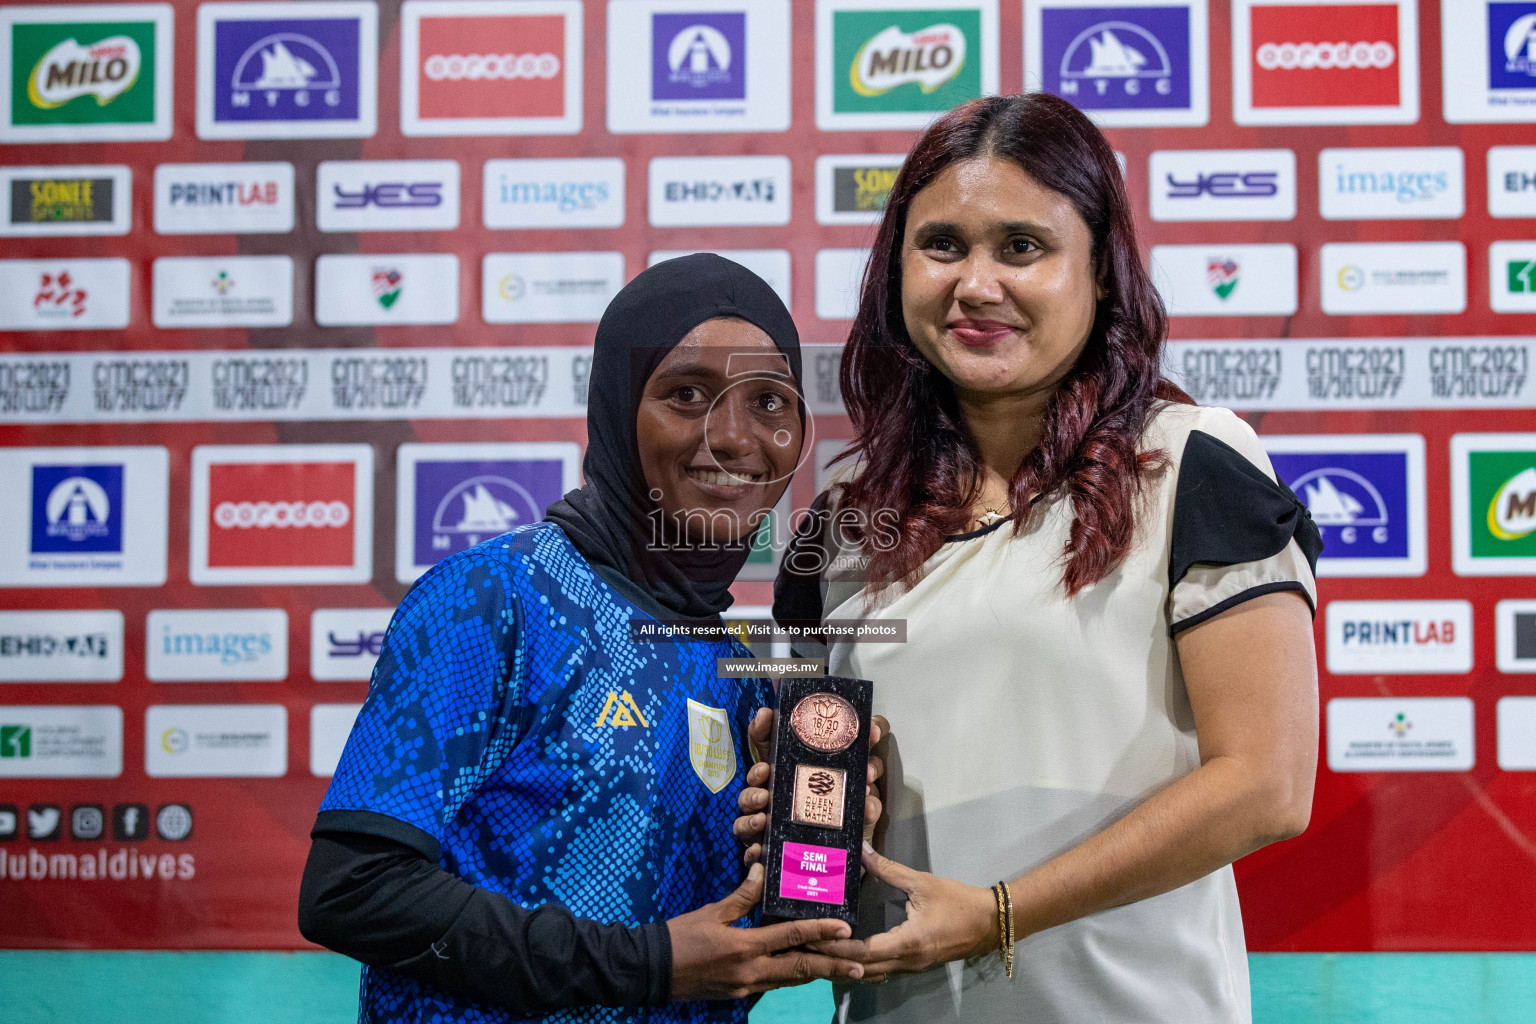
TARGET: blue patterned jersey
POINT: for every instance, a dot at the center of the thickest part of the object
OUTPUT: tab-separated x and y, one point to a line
555	760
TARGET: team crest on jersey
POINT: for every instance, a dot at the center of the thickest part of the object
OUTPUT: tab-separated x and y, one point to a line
711	748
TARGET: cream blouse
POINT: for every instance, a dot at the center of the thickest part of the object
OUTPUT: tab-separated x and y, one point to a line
1024	721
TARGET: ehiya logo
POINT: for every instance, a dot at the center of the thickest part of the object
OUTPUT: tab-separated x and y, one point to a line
104	69
928	57
1512	512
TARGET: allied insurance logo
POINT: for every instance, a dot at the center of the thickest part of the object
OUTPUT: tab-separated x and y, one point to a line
1488	57
282	514
1325	62
1493	504
1365	492
490	67
1123	64
287	70
899	64
92	200
71	524
709	66
90	73
453	496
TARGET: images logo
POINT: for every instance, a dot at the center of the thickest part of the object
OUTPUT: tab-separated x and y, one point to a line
1330	62
1511	46
898	65
278	70
699	56
452	497
490	67
1390	183
86	73
284	513
77	508
1222	273
578	193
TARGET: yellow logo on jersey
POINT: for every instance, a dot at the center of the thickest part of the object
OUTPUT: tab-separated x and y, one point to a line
711	749
625	712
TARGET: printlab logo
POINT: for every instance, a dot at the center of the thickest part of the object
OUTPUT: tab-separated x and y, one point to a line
77	509
278	70
203	199
1326	63
490	68
699	56
1512	46
1222	273
87	73
1410	637
897	65
1366	495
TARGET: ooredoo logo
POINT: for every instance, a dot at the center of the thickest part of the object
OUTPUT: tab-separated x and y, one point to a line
290	513
475	66
1325	63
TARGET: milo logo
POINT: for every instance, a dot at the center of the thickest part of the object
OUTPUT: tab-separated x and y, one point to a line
73	80
103	70
926	58
1512	512
903	61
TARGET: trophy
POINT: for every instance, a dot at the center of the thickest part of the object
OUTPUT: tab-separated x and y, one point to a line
815	835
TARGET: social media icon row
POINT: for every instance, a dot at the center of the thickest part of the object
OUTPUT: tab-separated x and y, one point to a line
493	67
263	514
125	823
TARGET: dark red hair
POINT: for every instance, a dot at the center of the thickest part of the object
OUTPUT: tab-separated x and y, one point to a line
919	459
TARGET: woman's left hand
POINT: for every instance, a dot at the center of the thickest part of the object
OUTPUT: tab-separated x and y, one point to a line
946	920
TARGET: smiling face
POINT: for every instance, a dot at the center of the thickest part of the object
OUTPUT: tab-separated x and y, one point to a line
719	430
997	280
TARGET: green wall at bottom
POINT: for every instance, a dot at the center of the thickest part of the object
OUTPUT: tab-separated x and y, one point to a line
321	988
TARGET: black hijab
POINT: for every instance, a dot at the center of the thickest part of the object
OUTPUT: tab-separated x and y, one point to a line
609	518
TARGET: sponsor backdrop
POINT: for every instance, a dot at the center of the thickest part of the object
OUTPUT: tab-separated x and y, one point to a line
297	298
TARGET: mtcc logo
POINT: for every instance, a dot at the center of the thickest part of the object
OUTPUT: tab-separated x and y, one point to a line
1116	51
286	64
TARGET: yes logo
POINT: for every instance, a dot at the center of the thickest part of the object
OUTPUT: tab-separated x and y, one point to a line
1493	504
897	65
87	73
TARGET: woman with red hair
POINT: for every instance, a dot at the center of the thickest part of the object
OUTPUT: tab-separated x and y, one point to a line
1107	691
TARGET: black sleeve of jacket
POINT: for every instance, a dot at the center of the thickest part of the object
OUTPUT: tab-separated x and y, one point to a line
386	904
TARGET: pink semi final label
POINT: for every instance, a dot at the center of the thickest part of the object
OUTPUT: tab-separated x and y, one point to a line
813	873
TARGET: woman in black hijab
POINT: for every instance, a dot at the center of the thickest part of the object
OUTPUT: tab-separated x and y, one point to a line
532	814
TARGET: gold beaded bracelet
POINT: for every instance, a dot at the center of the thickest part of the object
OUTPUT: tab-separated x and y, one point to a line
1004	897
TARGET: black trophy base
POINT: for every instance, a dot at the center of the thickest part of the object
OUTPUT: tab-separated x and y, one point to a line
815	837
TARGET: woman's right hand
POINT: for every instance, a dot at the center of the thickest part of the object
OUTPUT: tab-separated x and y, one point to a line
712	959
